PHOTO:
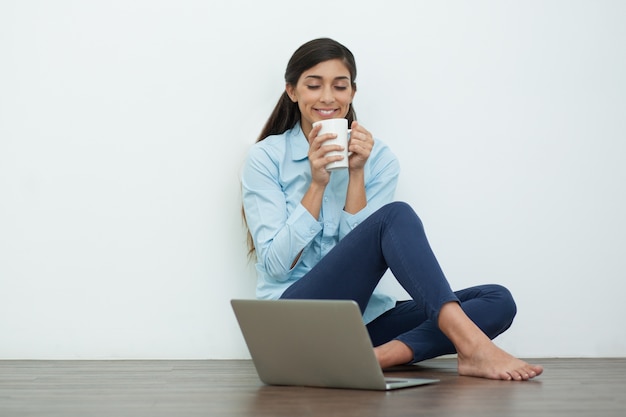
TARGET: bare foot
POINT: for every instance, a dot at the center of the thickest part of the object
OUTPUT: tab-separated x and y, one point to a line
489	361
393	353
477	355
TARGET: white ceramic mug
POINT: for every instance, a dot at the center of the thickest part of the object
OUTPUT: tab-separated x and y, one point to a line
340	128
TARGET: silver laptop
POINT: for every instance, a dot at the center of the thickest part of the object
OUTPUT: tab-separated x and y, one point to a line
321	343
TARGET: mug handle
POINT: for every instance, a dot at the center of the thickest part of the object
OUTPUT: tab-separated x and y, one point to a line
349	131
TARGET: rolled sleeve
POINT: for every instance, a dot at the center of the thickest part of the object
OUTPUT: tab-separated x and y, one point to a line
278	254
350	221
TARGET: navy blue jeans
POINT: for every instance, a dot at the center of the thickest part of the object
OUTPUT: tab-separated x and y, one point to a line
393	238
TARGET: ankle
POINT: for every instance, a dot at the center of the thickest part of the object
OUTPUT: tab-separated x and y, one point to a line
461	330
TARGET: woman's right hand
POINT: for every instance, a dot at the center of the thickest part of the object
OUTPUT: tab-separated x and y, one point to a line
317	155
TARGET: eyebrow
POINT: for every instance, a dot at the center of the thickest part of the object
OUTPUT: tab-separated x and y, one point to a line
319	77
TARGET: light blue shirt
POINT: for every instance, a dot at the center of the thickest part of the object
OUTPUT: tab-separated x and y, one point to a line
275	177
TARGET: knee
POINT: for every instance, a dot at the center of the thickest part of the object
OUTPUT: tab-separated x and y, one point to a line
499	311
401	211
399	206
506	302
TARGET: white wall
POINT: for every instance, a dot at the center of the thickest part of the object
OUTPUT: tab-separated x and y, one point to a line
123	125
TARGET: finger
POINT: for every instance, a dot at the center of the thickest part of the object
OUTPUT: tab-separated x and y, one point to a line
356	126
363	142
319	140
314	132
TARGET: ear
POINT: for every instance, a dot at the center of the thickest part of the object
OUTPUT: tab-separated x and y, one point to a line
291	92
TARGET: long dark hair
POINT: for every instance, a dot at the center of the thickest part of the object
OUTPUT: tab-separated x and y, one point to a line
286	113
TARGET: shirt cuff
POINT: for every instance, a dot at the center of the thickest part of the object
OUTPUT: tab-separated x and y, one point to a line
304	223
351	221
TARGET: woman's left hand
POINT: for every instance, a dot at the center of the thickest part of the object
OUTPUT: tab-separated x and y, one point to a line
361	144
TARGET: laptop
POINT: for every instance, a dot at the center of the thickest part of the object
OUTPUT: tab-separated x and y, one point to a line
318	343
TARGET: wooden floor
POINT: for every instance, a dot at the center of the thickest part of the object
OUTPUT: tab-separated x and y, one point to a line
569	387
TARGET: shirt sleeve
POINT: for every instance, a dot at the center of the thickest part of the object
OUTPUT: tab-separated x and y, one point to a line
279	231
380	186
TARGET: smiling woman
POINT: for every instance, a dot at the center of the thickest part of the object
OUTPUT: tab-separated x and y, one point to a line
323	234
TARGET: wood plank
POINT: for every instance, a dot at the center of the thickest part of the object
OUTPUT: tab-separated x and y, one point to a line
569	387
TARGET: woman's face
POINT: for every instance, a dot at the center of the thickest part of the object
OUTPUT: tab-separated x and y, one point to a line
323	92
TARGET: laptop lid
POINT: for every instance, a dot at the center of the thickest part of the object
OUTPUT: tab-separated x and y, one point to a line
321	343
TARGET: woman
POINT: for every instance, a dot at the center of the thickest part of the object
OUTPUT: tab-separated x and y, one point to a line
323	235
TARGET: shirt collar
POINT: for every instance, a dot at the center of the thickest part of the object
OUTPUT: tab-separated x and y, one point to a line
299	143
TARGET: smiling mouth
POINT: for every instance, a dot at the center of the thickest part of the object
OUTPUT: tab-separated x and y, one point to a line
326	112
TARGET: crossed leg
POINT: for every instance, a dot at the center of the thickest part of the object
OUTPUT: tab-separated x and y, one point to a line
477	355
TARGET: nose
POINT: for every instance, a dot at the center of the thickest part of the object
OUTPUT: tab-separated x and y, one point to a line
327	95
